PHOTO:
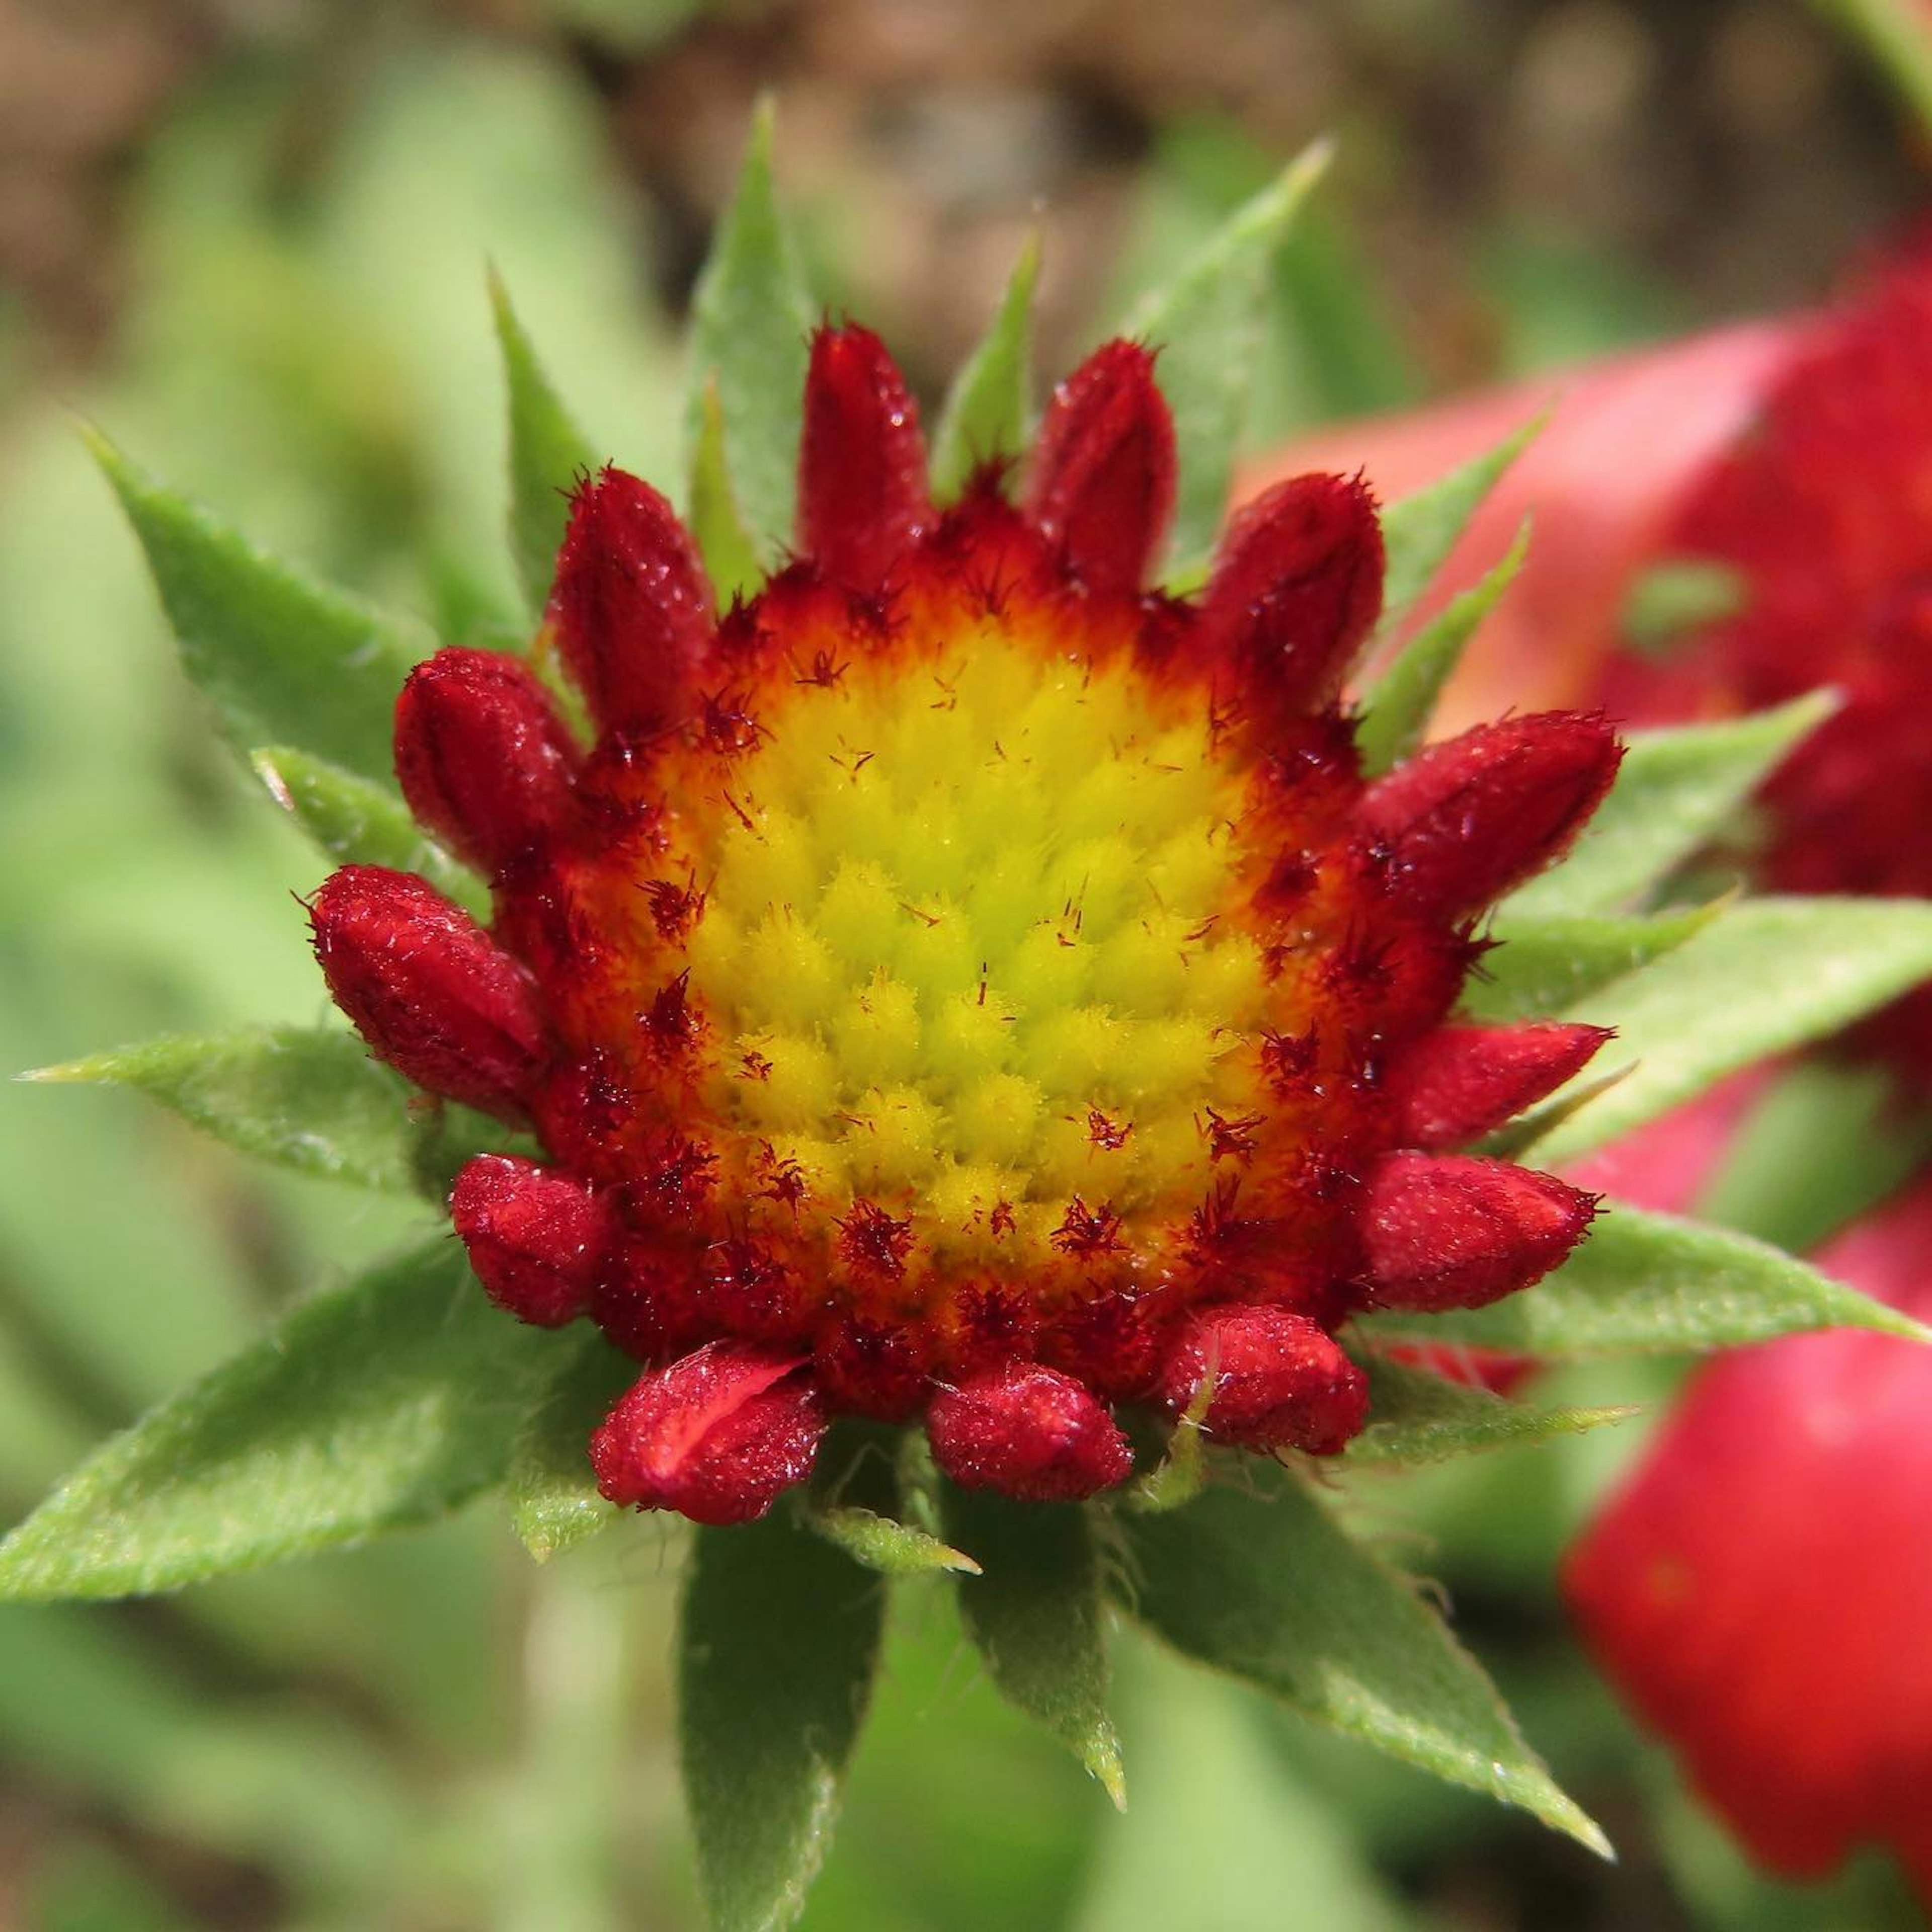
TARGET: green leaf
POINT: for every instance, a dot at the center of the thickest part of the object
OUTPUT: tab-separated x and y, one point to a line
1263	1583
752	315
892	1549
377	1406
1035	1616
1539	967
989	407
1207	325
551	1489
777	1643
1183	1470
1396	707
307	1098
548	450
1416	1417
1646	1283
1420	529
359	824
284	660
1772	974
1676	791
1668	599
729	553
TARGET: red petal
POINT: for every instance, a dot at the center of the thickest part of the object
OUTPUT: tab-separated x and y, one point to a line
1103	472
1297	586
1445	1231
631	608
429	990
1281	1381
861	489
1461	1081
482	756
537	1238
715	1436
1029	1432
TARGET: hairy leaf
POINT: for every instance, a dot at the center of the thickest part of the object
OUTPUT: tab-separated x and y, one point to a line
1416	1417
549	1488
1540	967
730	553
989	407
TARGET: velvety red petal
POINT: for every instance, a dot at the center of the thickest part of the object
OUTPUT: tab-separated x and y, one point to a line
1280	1380
537	1238
1459	1082
1029	1432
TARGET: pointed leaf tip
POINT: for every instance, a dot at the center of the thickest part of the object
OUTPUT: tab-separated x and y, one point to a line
988	409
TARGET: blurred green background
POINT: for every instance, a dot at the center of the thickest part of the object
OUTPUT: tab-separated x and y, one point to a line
248	237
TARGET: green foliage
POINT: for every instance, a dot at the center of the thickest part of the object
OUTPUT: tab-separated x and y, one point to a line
988	409
880	1543
1416	1417
1206	323
730	552
284	660
1035	1615
550	1487
1264	1585
1540	967
383	1404
1668	599
777	1643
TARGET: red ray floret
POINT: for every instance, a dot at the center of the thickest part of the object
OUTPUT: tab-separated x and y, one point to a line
962	982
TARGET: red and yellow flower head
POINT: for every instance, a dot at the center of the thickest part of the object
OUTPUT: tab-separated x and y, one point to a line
962	982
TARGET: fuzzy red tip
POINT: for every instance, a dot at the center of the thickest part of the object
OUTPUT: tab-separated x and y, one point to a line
1103	471
1460	1082
1452	1231
537	1238
1029	1432
1467	819
631	606
1297	586
1280	1380
862	488
482	756
716	1436
428	989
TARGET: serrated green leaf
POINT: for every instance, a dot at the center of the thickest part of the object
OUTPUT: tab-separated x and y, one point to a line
1541	967
1207	325
1396	707
308	1098
1772	974
988	409
1420	529
359	824
1035	1617
752	315
548	450
892	1549
1646	1283
1416	1417
777	1643
377	1406
1668	599
1264	1584
730	554
1675	793
284	660
550	1486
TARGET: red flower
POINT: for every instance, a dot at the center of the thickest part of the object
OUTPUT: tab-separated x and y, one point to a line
1761	1587
961	981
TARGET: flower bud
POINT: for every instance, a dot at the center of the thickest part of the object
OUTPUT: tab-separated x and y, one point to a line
537	1238
1103	471
429	990
715	1436
1460	1082
1027	1431
1447	1230
482	756
1280	1381
861	491
1467	819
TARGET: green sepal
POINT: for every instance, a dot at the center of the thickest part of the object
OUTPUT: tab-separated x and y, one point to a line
1653	1284
1416	1417
1260	1581
988	410
752	314
1538	968
1035	1617
858	1496
547	452
379	1405
284	659
1206	324
778	1644
550	1487
1182	1471
1396	708
729	551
